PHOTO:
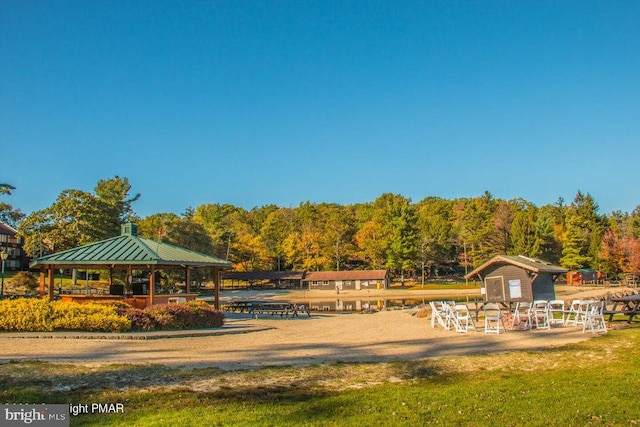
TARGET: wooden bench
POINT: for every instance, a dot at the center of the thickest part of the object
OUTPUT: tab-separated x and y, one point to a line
283	309
627	306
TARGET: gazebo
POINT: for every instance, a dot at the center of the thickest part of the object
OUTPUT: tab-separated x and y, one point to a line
129	252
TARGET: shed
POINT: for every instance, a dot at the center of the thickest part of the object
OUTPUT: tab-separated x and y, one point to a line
130	252
353	279
582	276
517	278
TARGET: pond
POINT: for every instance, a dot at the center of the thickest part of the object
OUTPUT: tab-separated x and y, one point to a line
366	304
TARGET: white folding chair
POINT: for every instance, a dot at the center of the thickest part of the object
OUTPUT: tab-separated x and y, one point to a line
572	313
556	312
541	314
493	318
439	314
462	318
522	316
583	309
594	318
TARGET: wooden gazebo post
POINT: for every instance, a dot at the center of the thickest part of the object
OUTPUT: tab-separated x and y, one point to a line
187	280
51	282
216	287
41	288
152	280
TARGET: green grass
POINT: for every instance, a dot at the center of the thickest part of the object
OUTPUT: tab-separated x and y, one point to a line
591	383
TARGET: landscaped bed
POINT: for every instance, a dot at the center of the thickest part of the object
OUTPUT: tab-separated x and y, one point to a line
39	315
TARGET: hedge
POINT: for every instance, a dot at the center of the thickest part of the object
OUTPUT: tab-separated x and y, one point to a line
191	315
39	315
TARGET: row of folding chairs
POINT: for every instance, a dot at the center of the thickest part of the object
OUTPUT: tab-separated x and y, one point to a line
544	314
539	314
451	315
588	313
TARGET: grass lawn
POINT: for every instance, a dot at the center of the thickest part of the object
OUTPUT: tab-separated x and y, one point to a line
591	383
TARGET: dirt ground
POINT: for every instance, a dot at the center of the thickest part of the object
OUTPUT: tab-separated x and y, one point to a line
322	338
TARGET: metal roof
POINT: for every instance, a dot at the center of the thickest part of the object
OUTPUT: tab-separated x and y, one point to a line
129	249
528	263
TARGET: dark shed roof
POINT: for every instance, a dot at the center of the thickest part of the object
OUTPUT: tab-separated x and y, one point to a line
263	275
346	275
531	264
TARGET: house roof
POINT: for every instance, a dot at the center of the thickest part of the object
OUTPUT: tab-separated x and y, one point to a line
6	229
129	249
263	275
346	275
531	264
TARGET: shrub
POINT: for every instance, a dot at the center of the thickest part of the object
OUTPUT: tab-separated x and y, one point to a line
88	317
191	315
39	315
186	316
26	280
25	314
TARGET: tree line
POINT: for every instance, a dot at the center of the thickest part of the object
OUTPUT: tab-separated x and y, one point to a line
423	239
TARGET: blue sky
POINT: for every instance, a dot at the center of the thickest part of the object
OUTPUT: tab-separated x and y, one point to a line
260	102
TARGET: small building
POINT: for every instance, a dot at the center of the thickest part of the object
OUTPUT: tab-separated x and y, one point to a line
11	245
583	276
347	280
517	278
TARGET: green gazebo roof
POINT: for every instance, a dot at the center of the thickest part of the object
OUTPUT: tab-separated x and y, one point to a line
129	249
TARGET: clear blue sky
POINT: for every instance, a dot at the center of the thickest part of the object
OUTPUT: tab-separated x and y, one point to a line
259	102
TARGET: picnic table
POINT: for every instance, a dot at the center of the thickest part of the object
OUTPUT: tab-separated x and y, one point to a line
282	308
628	305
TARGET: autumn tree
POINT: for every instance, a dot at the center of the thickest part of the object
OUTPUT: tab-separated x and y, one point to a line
216	220
114	195
337	224
303	246
473	226
77	218
499	239
523	231
277	226
371	244
620	251
433	233
396	217
8	214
